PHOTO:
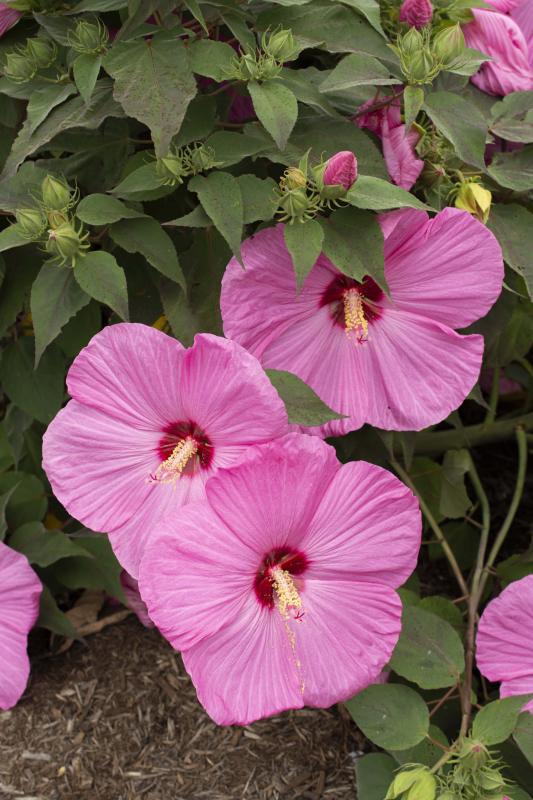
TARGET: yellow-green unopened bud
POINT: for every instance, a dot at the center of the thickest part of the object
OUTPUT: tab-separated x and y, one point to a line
171	170
88	37
421	66
56	194
294	178
448	44
280	45
19	67
417	783
202	158
31	222
412	42
491	780
424	788
475	199
41	51
65	243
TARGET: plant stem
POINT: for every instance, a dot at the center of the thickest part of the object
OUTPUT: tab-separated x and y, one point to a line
494	397
435	527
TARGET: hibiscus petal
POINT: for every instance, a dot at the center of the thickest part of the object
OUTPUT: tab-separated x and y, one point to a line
449	269
399	154
350	535
247	670
130	372
289	476
20	590
523	16
195	577
505	634
99	467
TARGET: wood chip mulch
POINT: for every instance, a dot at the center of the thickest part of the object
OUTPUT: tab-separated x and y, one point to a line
118	719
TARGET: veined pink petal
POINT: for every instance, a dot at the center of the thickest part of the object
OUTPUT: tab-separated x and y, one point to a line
357	508
20	591
452	271
416	13
8	17
399	153
505	6
523	16
499	36
130	587
295	473
515	686
505	638
341	170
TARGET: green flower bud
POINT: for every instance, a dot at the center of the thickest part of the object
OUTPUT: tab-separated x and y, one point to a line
202	158
66	244
280	45
31	222
475	199
447	795
421	67
491	780
19	68
56	194
294	178
413	784
424	788
172	170
88	37
41	51
449	44
248	66
412	42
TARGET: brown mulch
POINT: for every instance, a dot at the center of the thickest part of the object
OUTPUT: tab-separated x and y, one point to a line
118	719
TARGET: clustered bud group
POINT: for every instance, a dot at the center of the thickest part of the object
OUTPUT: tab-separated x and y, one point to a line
24	62
183	162
88	38
303	191
259	64
423	56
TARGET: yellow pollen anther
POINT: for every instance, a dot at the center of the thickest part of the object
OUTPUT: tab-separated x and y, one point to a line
354	313
289	601
171	469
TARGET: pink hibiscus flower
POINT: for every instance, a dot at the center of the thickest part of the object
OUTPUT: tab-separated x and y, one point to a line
416	13
8	17
505	640
279	589
149	422
130	587
396	363
522	14
500	37
398	145
20	591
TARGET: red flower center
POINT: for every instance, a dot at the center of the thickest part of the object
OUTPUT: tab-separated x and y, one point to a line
352	304
183	449
278	562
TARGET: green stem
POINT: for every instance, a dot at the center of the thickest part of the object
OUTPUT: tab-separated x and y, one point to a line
435	527
494	397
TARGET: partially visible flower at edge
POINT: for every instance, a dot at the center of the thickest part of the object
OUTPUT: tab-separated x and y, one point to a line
398	144
8	17
149	422
416	13
20	591
280	598
505	640
130	587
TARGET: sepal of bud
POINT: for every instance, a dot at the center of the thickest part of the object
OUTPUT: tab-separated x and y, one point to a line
448	44
411	43
415	783
19	67
41	51
66	244
56	194
475	199
421	67
171	169
200	158
416	13
31	222
280	45
491	779
89	38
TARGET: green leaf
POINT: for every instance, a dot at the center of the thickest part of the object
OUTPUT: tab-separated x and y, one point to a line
390	715
53	619
15	287
79	330
377	195
304	243
513	117
86	68
353	241
142	180
39	392
42	101
460	122
454	500
523	735
301	84
55	298
220	195
194	8
44	547
357	69
413	100
513	226
4	500
304	407
445	609
102	278
513	170
102	209
375	773
231	147
153	83
12	236
515	337
178	312
429	651
257	198
370	10
197	218
102	571
211	58
425	752
28	501
276	108
496	721
147	237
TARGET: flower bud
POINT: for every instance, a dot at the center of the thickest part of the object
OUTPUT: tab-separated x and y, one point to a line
201	158
280	45
491	779
56	194
294	178
171	170
248	66
448	44
417	783
31	222
66	244
416	13
424	788
411	43
447	795
88	37
19	68
341	170
41	51
475	199
421	67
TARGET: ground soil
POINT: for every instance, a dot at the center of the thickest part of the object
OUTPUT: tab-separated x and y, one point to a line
119	720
